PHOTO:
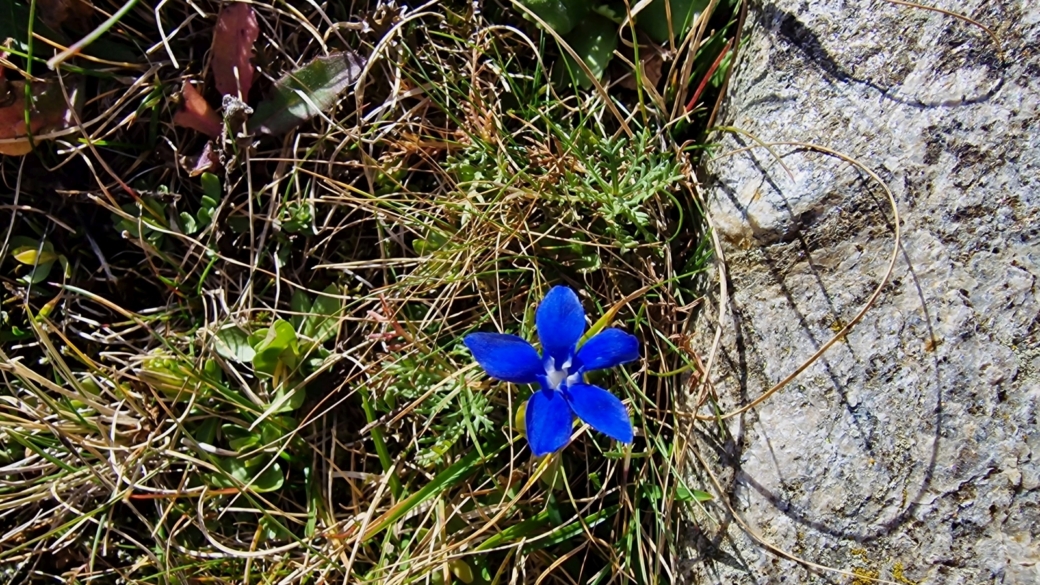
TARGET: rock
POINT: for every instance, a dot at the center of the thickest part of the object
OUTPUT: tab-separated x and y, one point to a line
910	451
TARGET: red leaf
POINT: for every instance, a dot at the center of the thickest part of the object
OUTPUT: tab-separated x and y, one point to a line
233	39
196	113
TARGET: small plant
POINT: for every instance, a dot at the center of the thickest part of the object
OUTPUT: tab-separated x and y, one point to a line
282	356
211	195
591	28
38	256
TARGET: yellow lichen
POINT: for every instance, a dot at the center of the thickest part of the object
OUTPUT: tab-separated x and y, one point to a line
897	574
864	576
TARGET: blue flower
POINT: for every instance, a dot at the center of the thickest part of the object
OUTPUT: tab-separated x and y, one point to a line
560	372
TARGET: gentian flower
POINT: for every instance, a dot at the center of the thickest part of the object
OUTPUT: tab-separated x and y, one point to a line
560	370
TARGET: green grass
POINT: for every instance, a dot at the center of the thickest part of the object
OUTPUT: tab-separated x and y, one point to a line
257	376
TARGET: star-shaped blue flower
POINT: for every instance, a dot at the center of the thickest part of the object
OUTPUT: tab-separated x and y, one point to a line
559	370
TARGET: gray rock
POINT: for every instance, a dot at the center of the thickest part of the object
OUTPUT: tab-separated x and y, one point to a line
911	450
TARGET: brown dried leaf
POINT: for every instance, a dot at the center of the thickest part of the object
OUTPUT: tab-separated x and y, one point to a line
196	113
233	39
209	160
652	63
49	112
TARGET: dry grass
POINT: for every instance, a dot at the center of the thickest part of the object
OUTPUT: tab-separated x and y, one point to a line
138	443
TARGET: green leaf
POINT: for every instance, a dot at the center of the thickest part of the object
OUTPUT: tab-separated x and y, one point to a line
31	252
172	377
274	428
653	20
569	531
433	242
290	402
314	501
188	223
323	323
553	478
596	480
232	343
15	334
462	570
553	508
525	528
272	530
269	480
205	215
594	40
151	214
685	494
307	92
258	336
301	306
588	263
211	188
280	344
239	439
561	15
238	224
652	492
316	357
39	274
296	217
211	371
207	431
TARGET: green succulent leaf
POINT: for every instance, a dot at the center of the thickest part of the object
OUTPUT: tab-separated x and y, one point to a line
242	473
301	307
31	252
233	343
323	323
188	224
239	439
653	20
685	494
594	40
211	187
562	15
306	93
280	344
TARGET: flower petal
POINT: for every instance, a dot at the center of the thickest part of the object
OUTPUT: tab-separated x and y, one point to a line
549	420
607	349
602	410
505	357
560	321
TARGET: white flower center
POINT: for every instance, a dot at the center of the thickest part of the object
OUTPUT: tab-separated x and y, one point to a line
556	377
